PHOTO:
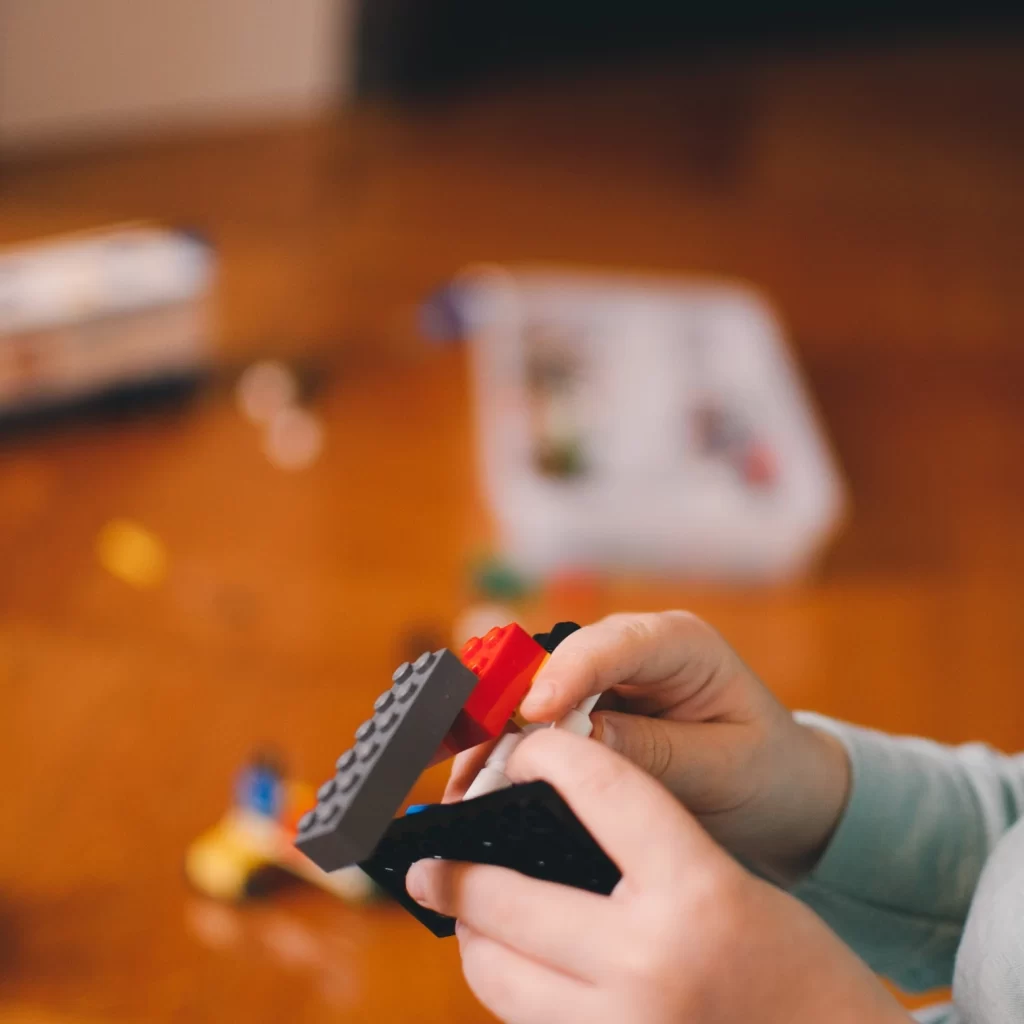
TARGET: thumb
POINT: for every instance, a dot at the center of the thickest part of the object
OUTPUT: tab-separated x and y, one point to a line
641	826
698	762
647	742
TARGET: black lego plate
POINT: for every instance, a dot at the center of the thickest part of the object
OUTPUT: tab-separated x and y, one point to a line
528	828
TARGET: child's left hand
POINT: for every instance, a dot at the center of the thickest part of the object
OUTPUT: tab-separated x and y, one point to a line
688	934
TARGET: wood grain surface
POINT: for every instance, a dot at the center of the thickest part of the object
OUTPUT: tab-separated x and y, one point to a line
875	196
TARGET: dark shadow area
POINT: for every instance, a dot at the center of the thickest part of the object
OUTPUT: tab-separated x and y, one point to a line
409	50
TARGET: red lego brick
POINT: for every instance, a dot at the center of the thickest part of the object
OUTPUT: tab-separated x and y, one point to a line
505	661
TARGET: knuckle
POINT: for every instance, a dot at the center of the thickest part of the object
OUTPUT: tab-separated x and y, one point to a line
628	628
641	629
651	751
651	954
690	625
716	896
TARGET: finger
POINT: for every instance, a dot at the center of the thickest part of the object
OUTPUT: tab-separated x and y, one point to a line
519	990
702	764
465	768
674	652
467	764
565	928
637	822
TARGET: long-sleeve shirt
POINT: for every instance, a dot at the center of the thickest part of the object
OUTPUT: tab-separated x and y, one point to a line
924	876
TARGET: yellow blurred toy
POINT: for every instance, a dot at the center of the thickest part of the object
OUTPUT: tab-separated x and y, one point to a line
231	859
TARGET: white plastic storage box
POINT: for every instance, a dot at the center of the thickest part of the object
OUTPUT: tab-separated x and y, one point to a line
100	312
643	425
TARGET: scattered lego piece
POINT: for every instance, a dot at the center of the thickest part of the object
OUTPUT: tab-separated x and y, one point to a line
392	749
549	641
505	660
416	808
264	389
294	439
498	581
760	466
260	787
528	828
718	430
578	592
132	553
251	848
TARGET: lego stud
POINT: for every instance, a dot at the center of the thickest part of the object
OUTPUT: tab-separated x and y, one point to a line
384	701
406	691
401	673
345	761
366	730
364	751
424	661
307	820
326	791
327	814
472	646
350	781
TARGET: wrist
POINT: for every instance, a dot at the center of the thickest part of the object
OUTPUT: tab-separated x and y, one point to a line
809	798
833	764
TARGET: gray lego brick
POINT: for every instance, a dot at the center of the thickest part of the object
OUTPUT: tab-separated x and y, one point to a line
392	749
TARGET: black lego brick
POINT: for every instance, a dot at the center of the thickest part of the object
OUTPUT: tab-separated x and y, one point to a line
528	828
392	749
559	631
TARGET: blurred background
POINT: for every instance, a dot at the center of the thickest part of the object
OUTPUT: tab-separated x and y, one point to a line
285	399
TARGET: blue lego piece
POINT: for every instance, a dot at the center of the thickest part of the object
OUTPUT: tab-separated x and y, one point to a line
259	789
416	808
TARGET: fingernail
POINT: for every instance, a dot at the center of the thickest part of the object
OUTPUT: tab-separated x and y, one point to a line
416	884
539	695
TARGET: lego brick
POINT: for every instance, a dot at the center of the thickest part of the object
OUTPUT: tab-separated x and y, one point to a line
559	631
528	828
450	746
505	660
392	749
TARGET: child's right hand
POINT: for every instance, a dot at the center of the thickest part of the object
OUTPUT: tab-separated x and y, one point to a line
690	713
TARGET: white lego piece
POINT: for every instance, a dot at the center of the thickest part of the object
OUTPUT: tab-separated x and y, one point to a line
578	720
492	776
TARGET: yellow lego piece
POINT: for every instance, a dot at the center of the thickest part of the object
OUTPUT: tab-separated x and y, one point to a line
132	553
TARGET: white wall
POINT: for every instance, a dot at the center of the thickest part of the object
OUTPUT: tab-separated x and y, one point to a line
78	69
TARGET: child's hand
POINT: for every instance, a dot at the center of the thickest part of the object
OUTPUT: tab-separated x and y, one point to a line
688	934
691	714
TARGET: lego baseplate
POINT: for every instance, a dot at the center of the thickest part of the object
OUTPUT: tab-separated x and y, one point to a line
528	828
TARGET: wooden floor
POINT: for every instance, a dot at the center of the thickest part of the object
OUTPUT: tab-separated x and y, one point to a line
876	196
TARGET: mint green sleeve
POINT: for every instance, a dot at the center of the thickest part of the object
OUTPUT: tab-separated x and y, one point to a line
898	876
